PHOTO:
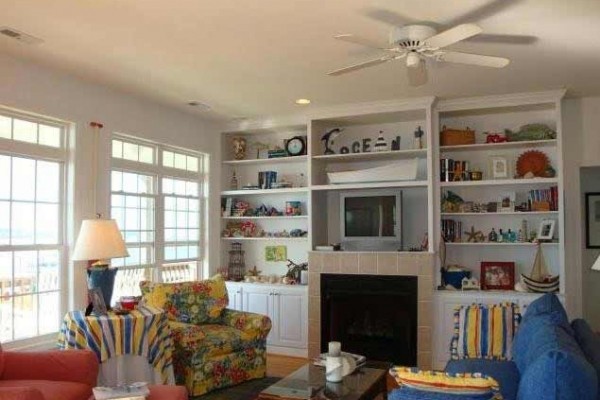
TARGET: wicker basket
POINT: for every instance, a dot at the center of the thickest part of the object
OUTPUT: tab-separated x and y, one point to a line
456	137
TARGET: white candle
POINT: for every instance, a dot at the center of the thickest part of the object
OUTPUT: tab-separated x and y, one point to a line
335	349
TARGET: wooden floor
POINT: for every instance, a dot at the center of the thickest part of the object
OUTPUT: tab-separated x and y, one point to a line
280	366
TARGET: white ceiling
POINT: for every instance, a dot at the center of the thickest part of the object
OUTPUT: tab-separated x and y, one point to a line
249	58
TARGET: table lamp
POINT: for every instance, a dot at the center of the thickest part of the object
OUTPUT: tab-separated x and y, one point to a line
596	266
100	240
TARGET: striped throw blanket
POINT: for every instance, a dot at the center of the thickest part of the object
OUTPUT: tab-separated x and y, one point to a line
143	332
484	331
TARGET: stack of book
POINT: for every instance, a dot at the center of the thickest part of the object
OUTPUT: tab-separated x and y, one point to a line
543	199
452	230
266	179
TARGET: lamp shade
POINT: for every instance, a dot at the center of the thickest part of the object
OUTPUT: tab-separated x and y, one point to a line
99	239
596	266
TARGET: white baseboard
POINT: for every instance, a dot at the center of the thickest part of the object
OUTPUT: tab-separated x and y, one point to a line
287	351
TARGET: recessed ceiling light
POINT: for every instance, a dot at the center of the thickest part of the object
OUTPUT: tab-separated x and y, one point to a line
198	104
303	102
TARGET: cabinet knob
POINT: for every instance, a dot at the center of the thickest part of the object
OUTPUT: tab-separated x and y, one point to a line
276	294
239	292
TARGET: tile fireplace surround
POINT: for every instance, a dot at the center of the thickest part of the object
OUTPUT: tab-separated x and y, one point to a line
420	265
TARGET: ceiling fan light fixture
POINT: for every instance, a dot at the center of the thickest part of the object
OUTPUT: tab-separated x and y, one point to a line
412	60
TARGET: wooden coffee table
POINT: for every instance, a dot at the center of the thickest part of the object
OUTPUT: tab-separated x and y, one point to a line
309	382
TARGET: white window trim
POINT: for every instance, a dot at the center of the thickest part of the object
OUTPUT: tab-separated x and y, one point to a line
159	171
15	148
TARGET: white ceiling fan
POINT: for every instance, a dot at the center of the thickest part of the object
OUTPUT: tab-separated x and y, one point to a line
417	43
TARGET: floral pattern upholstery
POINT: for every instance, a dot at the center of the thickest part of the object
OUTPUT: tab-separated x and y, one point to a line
228	347
197	302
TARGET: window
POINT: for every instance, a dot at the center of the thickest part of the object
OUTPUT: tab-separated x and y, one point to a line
32	266
156	201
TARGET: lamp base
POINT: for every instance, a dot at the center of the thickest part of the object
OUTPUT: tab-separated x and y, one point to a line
103	279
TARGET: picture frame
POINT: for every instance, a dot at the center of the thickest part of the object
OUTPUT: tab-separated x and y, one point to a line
497	275
592	220
506	202
546	229
97	301
275	253
499	167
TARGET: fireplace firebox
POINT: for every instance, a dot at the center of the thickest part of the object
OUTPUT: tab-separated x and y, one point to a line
371	315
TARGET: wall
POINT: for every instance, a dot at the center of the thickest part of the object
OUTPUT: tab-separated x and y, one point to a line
581	119
45	91
590	182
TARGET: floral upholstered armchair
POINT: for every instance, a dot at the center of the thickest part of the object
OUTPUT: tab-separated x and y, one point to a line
214	347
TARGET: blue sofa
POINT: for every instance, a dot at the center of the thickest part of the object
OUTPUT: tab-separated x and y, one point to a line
552	359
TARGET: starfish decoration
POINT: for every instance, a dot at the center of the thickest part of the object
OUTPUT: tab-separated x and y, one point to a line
254	272
473	235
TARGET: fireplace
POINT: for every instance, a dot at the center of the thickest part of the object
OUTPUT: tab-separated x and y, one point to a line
371	315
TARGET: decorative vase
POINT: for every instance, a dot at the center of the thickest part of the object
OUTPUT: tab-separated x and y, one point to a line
104	279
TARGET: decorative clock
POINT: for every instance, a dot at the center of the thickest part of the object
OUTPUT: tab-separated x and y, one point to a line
296	146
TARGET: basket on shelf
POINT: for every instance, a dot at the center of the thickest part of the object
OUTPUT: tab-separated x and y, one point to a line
456	137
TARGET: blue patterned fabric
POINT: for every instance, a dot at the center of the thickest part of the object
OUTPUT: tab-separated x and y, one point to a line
589	343
504	372
405	393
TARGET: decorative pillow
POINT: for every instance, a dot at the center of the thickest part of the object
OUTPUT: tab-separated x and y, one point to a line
474	384
484	331
197	302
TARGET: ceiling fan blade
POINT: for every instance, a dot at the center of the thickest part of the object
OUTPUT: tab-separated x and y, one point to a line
503	39
362	65
350	38
417	76
473	59
453	35
485	11
387	16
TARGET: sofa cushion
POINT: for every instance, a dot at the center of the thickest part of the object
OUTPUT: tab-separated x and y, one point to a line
549	306
504	372
207	341
53	390
589	343
558	374
484	331
406	393
539	335
197	302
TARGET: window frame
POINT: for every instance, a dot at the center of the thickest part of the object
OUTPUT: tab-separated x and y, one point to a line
60	155
158	171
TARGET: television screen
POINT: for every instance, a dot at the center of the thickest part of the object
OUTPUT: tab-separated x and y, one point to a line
370	216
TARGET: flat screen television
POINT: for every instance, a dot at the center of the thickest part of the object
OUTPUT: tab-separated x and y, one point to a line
371	220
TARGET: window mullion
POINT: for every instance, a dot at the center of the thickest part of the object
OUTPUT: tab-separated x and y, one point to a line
159	232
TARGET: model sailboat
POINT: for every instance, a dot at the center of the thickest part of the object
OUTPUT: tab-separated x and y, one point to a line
539	280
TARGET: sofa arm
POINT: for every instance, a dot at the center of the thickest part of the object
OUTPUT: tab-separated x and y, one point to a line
79	366
257	326
20	393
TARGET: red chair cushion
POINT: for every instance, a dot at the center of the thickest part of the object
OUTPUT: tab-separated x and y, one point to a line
1	361
53	390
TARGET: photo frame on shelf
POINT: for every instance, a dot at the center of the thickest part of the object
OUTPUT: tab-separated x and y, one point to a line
506	202
546	229
97	301
497	275
592	220
499	167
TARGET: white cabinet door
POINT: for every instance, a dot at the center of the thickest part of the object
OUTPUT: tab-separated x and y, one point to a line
260	301
290	314
234	292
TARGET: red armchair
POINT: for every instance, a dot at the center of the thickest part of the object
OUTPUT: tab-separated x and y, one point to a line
47	375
